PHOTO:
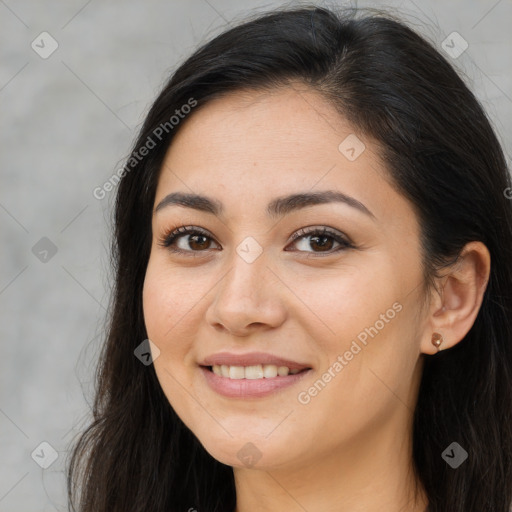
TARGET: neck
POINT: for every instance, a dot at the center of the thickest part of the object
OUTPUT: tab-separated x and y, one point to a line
370	474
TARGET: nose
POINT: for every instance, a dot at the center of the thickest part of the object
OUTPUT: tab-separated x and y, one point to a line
247	299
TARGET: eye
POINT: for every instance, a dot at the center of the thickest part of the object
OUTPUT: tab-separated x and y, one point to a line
192	240
321	238
198	240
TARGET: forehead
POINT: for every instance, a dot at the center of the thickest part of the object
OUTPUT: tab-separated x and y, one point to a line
245	122
249	147
289	134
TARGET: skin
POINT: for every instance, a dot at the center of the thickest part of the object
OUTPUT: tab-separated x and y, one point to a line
349	447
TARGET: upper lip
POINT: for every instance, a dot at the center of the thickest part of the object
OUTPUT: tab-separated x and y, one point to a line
251	359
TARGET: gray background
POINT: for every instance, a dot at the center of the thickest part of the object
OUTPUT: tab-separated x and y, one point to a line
67	123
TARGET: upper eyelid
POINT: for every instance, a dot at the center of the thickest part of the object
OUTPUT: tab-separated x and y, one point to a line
190	230
309	230
304	231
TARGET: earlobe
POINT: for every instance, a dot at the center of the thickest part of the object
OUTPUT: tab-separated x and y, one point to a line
461	292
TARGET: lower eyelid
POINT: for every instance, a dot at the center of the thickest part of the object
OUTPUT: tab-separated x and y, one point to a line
342	244
171	238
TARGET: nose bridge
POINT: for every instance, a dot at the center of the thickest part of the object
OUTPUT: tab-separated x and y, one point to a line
245	280
244	296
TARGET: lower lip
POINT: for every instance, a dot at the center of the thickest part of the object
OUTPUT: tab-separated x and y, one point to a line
244	388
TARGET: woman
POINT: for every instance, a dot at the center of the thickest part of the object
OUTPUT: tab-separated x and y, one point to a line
313	232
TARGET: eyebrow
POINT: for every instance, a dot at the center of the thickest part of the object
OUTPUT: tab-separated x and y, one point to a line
278	207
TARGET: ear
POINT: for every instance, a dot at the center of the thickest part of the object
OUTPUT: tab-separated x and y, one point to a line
455	304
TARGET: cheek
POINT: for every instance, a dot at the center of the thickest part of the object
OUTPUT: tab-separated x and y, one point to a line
371	322
165	299
346	300
165	316
156	305
163	308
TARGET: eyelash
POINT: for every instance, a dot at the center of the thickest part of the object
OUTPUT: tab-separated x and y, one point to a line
171	236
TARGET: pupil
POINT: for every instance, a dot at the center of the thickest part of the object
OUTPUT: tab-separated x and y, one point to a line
196	237
321	244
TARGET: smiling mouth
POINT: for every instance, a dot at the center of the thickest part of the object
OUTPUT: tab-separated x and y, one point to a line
253	372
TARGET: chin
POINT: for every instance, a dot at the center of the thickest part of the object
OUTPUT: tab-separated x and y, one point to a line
248	451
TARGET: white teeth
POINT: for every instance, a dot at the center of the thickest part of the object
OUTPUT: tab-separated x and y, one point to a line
236	372
254	372
258	371
283	371
269	371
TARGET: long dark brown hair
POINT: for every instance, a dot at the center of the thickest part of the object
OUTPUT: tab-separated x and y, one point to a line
442	155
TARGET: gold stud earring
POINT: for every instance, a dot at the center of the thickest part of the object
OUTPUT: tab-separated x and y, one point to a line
437	339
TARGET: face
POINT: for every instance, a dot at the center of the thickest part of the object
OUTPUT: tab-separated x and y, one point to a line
327	291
